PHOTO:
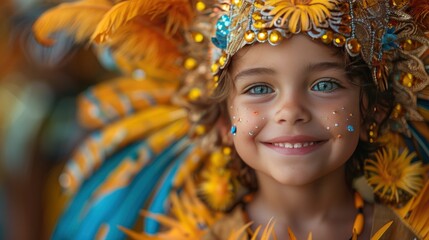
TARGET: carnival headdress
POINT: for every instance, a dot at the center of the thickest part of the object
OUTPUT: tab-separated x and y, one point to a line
141	145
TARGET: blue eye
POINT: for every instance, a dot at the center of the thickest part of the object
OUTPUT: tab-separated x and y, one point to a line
260	89
325	86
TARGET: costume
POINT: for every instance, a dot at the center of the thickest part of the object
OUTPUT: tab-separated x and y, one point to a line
153	145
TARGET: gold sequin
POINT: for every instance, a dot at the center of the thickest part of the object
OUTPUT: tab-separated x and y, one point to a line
190	63
222	60
259	24
215	67
407	80
259	4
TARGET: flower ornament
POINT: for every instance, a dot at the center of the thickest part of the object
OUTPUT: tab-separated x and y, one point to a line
393	176
300	14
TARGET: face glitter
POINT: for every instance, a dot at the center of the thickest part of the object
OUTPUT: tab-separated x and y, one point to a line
350	128
251	133
234	130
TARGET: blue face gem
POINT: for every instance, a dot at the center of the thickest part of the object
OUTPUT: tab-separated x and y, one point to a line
350	128
233	130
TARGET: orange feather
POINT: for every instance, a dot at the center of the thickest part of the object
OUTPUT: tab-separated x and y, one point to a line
175	13
78	19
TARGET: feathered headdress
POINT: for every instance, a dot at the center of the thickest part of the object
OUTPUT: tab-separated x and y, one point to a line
141	151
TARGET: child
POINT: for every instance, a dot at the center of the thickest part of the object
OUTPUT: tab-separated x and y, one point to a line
304	87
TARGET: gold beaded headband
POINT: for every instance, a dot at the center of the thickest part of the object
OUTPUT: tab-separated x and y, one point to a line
384	33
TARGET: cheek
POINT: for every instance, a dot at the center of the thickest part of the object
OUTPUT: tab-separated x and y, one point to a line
248	121
342	122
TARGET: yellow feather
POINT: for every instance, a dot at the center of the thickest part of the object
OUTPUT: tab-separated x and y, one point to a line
291	234
381	231
78	19
175	13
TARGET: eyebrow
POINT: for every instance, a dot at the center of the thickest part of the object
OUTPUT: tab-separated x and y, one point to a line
254	71
312	67
323	66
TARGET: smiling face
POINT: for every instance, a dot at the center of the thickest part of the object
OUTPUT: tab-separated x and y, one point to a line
295	110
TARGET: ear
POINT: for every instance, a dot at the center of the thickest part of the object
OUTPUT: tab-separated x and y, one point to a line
224	126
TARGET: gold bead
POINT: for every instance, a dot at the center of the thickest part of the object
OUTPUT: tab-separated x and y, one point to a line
399	3
222	60
200	6
236	2
327	37
262	35
194	94
353	45
215	67
407	80
216	78
249	36
345	29
227	151
339	40
190	63
275	37
256	16
200	130
259	4
259	24
198	37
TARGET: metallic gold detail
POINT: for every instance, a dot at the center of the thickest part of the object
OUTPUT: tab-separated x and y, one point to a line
262	36
249	36
339	40
275	37
190	63
198	37
200	6
407	80
327	37
353	46
194	94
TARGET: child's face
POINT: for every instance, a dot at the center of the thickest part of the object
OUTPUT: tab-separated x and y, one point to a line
296	111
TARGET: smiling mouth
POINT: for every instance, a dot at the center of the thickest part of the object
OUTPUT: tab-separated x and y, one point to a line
294	145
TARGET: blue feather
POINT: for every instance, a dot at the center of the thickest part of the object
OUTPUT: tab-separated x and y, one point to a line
140	190
158	203
70	222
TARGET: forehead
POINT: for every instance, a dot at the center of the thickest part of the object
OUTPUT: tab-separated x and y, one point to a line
295	52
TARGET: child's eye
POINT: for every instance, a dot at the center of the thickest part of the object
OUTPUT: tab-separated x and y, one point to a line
259	89
325	86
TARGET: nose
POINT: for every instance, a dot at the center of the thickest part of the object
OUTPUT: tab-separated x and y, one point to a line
292	109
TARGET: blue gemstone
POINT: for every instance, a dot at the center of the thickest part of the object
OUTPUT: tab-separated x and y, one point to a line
350	128
233	129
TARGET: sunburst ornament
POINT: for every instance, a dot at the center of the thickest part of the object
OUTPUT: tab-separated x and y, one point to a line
394	178
300	14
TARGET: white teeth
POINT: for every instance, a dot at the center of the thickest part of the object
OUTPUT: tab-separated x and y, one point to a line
288	145
297	145
293	145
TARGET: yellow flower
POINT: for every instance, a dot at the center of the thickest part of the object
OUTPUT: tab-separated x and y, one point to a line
217	189
394	178
301	14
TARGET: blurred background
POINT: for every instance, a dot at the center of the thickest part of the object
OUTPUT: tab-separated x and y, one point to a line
38	123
